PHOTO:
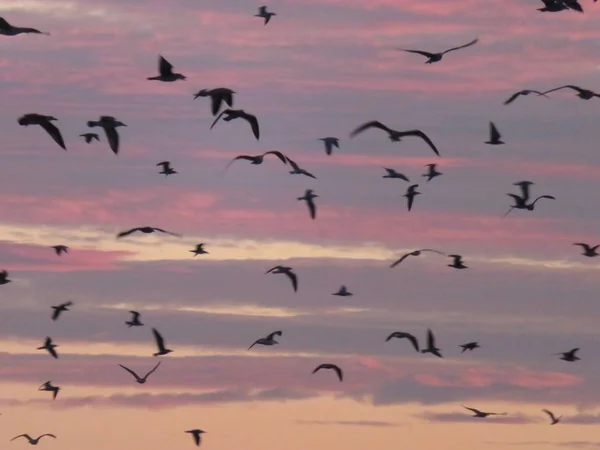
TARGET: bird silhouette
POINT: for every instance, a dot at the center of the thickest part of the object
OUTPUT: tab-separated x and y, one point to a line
269	340
470	346
4	277
309	197
431	172
258	159
584	94
494	136
59	249
138	379
262	12
343	292
49	346
457	262
588	251
524	92
217	97
135	320
6	29
145	230
569	356
297	170
481	414
232	114
109	124
391	173
47	386
431	348
166	74
395	135
46	123
160	344
435	57
89	137
58	310
196	434
402	335
414	253
166	168
333	367
287	271
33	441
199	250
410	195
554	420
330	142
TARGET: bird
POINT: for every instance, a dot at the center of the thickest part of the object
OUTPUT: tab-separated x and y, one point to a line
31	440
258	159
109	124
410	195
395	135
469	346
435	57
140	380
6	29
4	277
46	123
89	137
269	340
49	345
135	320
197	435
402	335
573	4
59	309
552	6
166	168
145	230
217	97
262	12
165	68
330	142
60	249
570	355
553	418
337	370
343	292
431	348
588	251
516	95
160	344
232	114
414	253
199	250
391	173
297	170
482	414
457	263
494	135
584	94
308	197
432	172
47	386
288	271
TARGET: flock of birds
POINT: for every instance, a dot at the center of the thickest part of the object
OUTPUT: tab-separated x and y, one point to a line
219	97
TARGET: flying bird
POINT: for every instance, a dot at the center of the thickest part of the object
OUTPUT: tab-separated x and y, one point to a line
431	172
570	355
135	320
330	142
165	68
4	277
58	310
494	135
402	335
584	94
458	262
410	195
288	271
47	386
435	57
232	114
140	380
199	250
391	173
166	168
258	159
46	123
60	249
197	436
49	346
262	12
470	346
431	348
553	418
217	97
297	170
588	251
308	197
521	201
524	92
269	340
145	230
160	344
482	414
414	253
553	6
89	137
395	135
6	29
337	370
109	124
31	440
343	292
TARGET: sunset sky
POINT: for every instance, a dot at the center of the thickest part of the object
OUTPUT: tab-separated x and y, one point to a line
319	68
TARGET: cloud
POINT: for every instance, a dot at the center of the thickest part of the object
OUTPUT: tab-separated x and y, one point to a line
352	423
582	419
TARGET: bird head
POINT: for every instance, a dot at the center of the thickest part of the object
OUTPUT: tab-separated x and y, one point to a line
119	124
179	76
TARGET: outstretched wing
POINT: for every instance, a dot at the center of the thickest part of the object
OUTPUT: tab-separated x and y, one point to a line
431	250
473	42
160	342
426	54
399	261
476	411
164	67
494	134
4	25
430	336
366	126
419	133
54	133
280	155
273	334
167	232
312	208
135	375
253	121
246	157
127	233
567	86
549	413
338	371
294	279
46	434
225	111
152	371
21	435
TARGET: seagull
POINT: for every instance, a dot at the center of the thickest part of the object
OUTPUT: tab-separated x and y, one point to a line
411	193
31	440
60	249
6	29
312	208
256	160
431	173
135	320
297	170
109	124
143	379
431	348
165	68
60	308
199	250
482	414
288	272
343	292
166	168
588	251
469	346
145	230
330	142
262	12
553	418
160	343
584	94
49	346
414	253
4	277
401	335
231	114
217	97
394	135
45	123
457	263
391	173
494	135
516	95
89	137
338	371
47	386
269	340
435	57
570	355
197	435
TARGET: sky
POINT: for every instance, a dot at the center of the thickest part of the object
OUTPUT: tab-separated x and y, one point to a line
319	68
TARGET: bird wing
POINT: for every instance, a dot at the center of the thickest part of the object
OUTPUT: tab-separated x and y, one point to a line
253	121
160	342
476	411
21	435
127	233
246	157
273	334
549	413
430	339
164	164
410	199
152	371
56	312
494	134
293	164
167	232
54	133
46	434
423	136
473	42
512	98
567	86
262	10
586	247
294	279
216	102
431	250
312	208
280	155
400	260
53	352
255	342
413	341
164	66
4	25
271	270
225	111
338	371
112	136
372	124
135	315
420	52
135	375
